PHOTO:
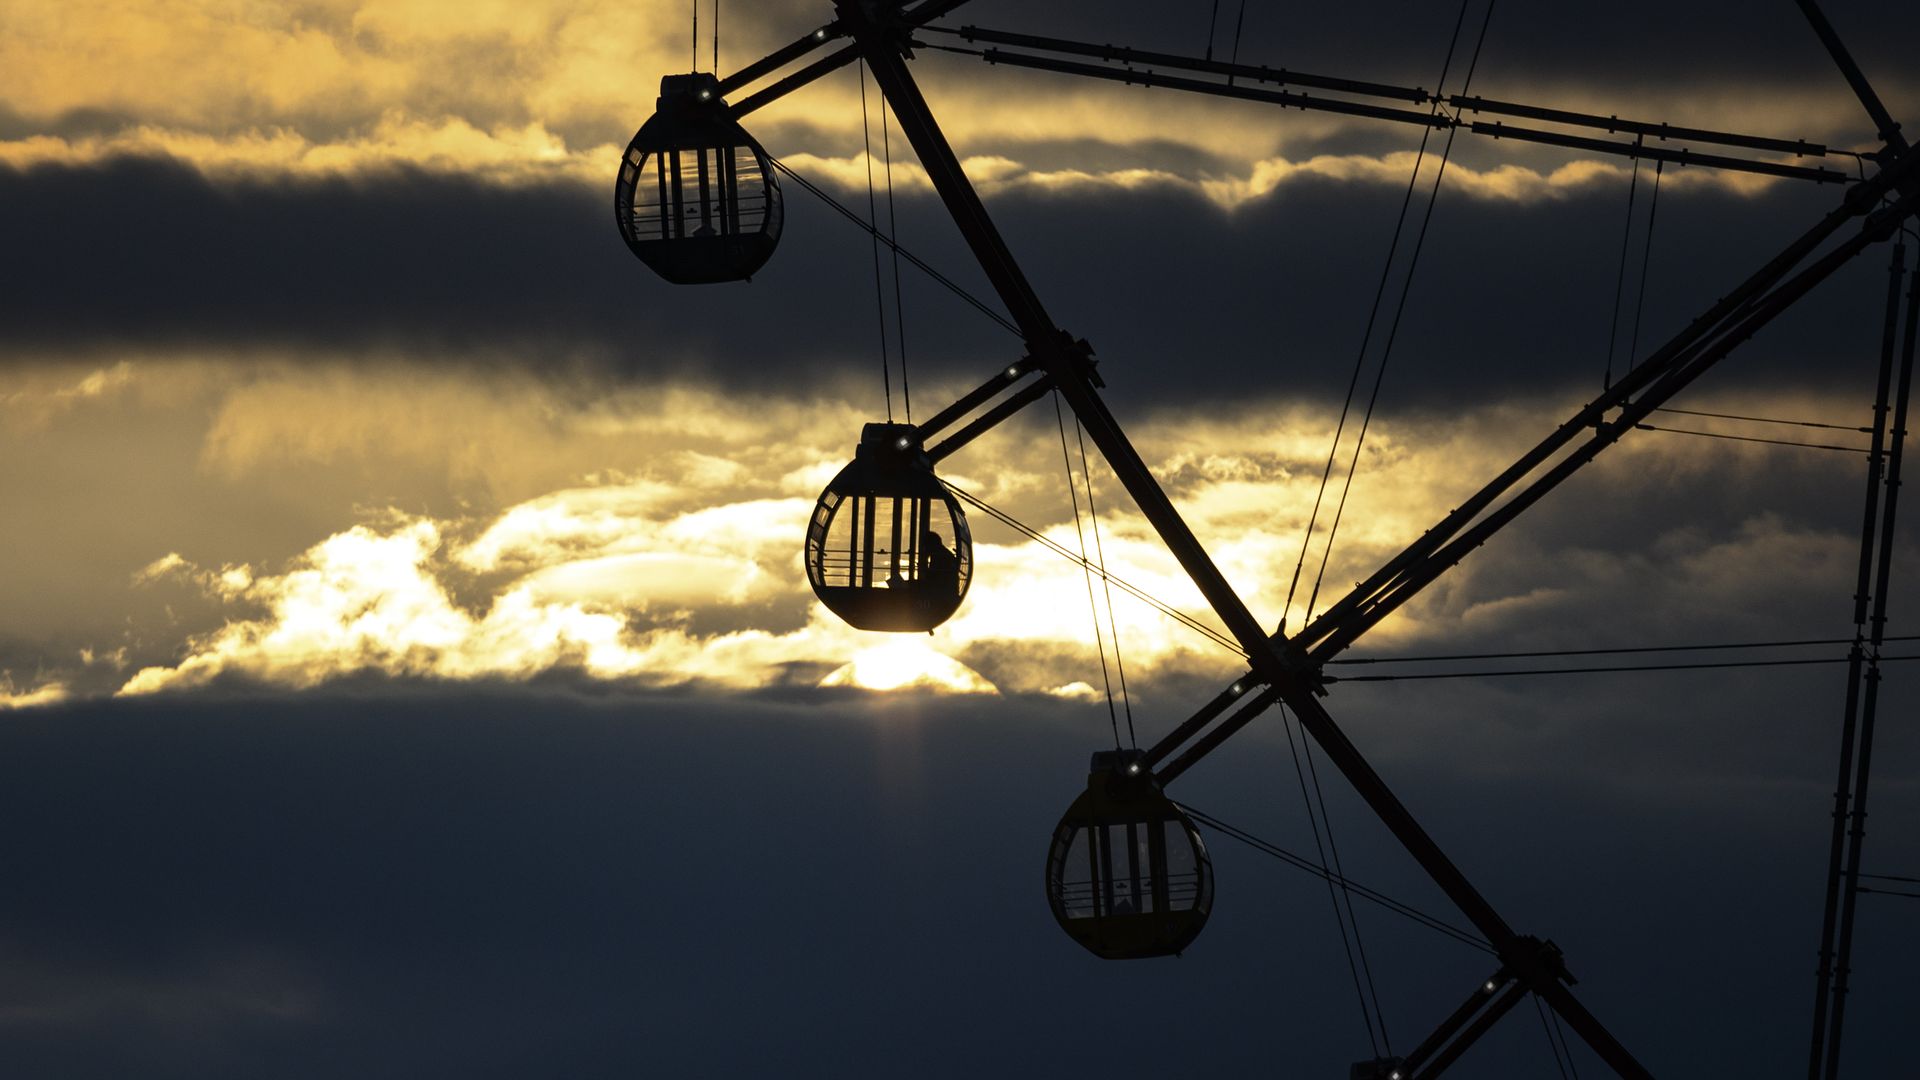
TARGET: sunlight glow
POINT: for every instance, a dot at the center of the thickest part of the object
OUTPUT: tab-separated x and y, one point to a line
653	539
907	663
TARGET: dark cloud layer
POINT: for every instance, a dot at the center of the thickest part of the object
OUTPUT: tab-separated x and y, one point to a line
395	881
1639	40
1181	299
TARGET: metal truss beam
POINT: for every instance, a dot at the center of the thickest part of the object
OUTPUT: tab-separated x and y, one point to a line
1065	360
1287	673
1249	82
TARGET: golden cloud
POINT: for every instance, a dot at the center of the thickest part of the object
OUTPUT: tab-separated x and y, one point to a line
542	90
652	536
644	535
46	693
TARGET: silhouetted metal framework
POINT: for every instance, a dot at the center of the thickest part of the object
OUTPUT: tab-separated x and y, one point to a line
1287	670
1863	675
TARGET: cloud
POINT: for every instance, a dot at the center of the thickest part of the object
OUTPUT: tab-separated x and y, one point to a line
545	93
497	88
372	599
47	693
383	881
657	542
369	600
324	67
608	605
1190	301
35	399
907	664
527	153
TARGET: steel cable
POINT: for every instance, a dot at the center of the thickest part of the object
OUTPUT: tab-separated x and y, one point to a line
1646	259
893	229
1135	591
1393	328
1615	650
1300	862
1100	554
1620	276
918	263
1420	677
873	231
1093	608
1359	944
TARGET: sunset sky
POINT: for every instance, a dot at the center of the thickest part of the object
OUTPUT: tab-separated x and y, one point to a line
407	666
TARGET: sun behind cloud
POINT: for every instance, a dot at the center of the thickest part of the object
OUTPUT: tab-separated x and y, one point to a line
908	663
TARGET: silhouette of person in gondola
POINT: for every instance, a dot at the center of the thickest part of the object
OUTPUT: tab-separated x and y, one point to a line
939	568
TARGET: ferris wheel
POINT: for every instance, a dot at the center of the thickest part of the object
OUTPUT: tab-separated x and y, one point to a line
888	547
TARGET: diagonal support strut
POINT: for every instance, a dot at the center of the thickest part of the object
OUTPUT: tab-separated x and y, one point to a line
882	36
1288	669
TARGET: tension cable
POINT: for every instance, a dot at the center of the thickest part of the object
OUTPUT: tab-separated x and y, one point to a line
1366	338
1340	918
1620	276
1239	21
1300	862
1135	591
879	292
1100	554
1559	1063
1359	945
1534	653
1750	438
1765	420
893	228
1561	1034
1393	329
920	264
1092	607
1422	676
1646	258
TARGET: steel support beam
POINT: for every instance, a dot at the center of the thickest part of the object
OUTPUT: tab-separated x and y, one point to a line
1142	76
1863	672
1706	340
1455	1021
1286	98
1256	72
1681	156
778	59
1501	1004
1888	128
990	419
925	12
1452	540
882	41
1879	226
1663	363
1615	125
973	399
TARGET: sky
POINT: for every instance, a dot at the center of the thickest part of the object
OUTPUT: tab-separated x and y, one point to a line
407	666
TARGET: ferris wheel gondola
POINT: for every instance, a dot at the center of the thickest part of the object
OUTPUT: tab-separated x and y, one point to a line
696	197
876	544
1127	874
